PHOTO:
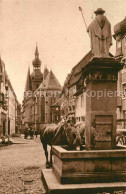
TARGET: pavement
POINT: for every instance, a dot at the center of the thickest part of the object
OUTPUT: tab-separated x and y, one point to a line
20	167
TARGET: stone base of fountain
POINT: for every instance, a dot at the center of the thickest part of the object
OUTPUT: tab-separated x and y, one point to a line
92	166
83	172
53	186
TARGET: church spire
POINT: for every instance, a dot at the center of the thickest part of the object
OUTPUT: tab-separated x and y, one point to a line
36	62
36	51
28	81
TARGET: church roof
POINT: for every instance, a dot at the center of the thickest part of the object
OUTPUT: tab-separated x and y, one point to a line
28	81
50	83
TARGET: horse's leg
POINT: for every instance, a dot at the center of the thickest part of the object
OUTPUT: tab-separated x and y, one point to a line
51	153
46	154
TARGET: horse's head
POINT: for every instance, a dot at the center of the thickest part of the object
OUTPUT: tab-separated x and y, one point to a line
73	137
67	134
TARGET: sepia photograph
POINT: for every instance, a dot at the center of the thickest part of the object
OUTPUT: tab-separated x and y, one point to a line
62	96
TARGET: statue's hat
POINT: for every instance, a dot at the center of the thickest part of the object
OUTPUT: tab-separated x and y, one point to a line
99	10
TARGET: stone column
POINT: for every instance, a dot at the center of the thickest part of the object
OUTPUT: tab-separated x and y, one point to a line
101	76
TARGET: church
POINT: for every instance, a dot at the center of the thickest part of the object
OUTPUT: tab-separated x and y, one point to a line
41	91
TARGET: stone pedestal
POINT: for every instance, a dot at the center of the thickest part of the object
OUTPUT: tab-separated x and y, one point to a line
101	102
94	166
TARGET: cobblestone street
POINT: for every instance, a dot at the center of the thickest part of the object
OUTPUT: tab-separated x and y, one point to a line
20	167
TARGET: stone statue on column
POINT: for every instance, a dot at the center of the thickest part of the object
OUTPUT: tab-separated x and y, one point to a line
100	34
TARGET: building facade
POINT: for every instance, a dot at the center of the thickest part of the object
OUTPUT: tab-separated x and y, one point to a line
8	105
120	37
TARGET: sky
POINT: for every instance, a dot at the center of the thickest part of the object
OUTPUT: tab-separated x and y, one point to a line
57	27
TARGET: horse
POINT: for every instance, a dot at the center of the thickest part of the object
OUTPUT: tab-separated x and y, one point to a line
47	133
62	134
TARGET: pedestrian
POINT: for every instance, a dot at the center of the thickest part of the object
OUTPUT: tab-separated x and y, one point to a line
26	133
36	133
31	132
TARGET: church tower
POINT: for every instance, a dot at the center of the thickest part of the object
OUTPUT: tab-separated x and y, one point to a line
36	76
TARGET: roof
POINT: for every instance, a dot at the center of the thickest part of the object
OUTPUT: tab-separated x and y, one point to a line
50	83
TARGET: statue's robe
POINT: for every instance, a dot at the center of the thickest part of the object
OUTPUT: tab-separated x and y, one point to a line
100	34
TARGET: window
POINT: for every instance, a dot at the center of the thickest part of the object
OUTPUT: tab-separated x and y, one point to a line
56	118
37	86
83	118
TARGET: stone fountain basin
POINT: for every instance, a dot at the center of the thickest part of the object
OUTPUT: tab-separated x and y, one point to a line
89	166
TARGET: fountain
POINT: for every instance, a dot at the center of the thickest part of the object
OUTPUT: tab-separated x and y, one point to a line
101	165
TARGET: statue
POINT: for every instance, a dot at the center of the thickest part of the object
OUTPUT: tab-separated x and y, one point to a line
100	34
